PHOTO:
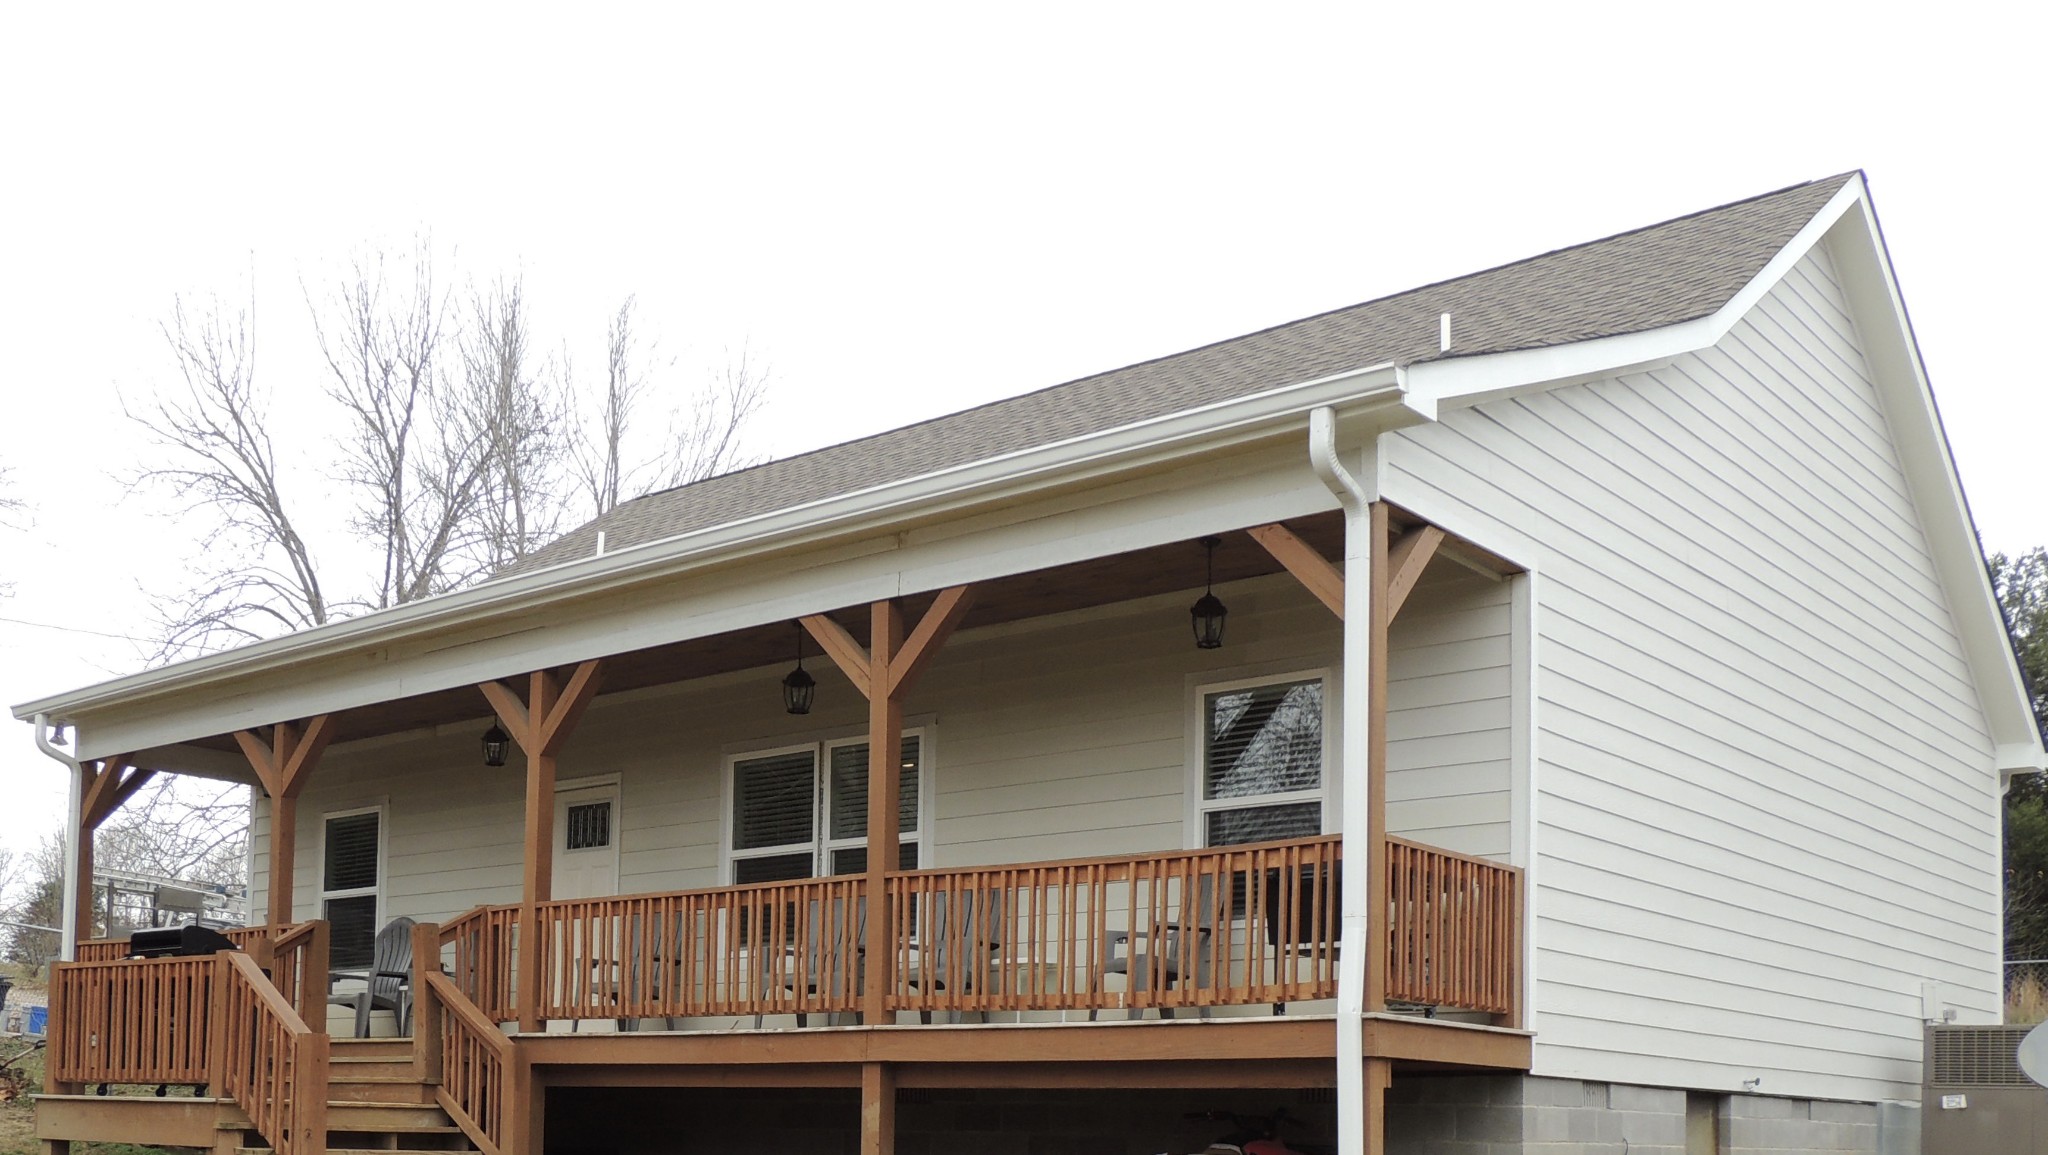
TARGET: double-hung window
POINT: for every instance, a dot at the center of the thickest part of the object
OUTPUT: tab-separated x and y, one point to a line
1261	764
802	811
351	884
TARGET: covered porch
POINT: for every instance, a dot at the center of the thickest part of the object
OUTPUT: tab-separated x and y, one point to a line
814	958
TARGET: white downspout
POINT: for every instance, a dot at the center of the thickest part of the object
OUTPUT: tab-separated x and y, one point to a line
74	803
1357	503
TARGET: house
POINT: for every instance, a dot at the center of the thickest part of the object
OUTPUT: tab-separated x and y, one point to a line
1560	705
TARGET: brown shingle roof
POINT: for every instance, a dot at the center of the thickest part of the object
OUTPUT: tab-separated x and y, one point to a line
1646	279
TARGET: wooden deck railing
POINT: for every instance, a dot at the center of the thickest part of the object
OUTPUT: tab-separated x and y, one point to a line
204	1020
479	948
1454	933
475	1063
1237	925
109	949
766	948
132	1020
269	1061
298	969
1231	925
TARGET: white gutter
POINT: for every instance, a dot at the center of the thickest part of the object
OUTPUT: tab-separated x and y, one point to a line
74	804
1357	805
1237	419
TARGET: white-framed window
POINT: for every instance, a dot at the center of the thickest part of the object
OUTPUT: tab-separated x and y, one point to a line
801	811
352	884
1262	751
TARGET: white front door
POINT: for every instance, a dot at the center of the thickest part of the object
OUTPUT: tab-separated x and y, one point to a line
586	840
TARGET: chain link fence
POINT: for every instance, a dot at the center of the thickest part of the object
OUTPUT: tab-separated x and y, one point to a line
2026	991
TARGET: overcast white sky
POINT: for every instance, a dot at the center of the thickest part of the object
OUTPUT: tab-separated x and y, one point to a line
913	210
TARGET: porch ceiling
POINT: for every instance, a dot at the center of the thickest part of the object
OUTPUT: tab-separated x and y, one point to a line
1038	593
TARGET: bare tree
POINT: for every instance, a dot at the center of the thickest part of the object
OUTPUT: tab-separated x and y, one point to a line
518	423
597	446
702	440
459	448
223	468
418	469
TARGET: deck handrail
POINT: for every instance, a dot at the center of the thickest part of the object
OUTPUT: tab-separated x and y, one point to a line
299	970
475	1064
268	1060
1454	932
1242	924
1262	928
132	1020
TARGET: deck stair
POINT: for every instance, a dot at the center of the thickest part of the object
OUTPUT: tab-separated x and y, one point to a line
377	1103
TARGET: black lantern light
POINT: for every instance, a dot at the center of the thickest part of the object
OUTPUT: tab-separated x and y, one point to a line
495	742
1208	612
798	688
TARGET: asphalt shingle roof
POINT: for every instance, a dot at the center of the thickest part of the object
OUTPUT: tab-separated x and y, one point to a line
1646	279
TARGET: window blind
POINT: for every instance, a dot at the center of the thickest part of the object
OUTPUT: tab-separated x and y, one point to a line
850	789
774	801
351	856
1264	740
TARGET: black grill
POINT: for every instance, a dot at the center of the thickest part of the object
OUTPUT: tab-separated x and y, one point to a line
173	941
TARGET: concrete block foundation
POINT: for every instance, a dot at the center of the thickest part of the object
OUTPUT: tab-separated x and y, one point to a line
1525	1115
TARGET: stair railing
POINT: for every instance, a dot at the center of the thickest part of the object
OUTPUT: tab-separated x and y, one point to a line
456	1044
267	1059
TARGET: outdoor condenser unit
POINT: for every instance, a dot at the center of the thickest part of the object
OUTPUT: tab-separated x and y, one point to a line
1976	1100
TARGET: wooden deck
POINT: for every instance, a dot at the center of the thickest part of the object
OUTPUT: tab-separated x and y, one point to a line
777	984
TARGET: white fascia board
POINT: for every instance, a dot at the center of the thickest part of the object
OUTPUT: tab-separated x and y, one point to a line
1893	353
1463	381
1140	445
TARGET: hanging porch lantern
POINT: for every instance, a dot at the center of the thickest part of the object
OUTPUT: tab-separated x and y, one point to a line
496	740
798	688
1208	611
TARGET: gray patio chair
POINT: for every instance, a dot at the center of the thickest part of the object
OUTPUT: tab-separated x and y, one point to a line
962	929
1161	952
1301	910
816	968
387	984
665	963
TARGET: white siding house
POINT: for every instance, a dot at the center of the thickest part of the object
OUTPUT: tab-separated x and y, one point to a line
1609	731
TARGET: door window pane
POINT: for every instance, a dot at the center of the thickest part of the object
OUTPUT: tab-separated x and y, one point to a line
588	826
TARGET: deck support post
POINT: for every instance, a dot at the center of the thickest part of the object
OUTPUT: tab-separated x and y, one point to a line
877	1109
1379	1075
885	772
104	787
540	724
284	764
885	672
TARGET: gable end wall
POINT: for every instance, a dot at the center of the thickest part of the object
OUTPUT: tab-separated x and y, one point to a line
1767	807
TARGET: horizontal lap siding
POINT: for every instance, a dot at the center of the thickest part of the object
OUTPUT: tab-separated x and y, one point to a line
1063	738
1766	806
1447	714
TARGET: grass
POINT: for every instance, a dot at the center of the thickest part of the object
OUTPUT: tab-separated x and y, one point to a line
2026	999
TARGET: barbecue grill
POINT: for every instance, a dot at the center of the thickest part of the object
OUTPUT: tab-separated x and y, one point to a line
176	941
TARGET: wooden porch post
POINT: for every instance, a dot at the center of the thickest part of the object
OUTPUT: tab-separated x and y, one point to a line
885	672
284	765
540	725
885	772
106	787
